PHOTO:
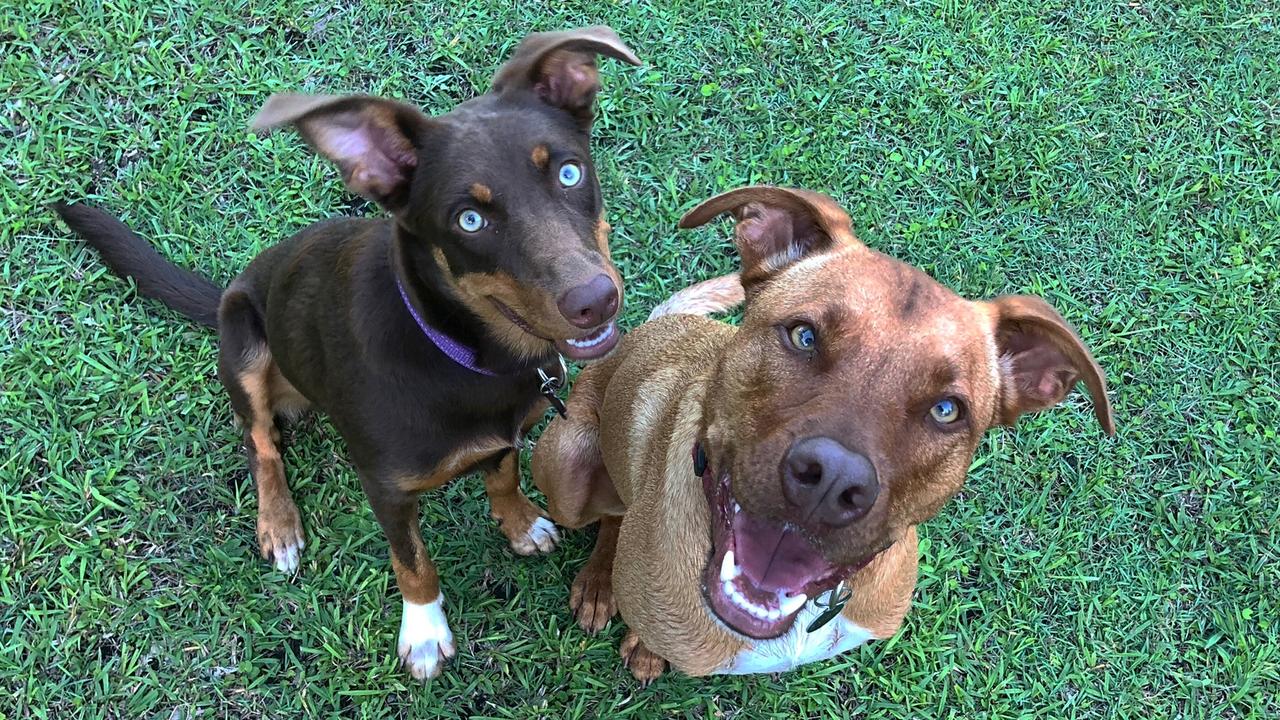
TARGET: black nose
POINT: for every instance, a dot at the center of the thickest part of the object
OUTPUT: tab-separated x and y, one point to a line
828	482
591	303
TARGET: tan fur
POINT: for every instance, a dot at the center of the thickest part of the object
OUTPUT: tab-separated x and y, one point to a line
481	192
540	157
279	524
603	228
417	580
882	590
453	465
707	297
892	339
513	511
591	595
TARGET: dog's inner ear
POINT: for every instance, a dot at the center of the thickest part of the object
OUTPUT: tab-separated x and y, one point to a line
371	140
560	68
776	226
1041	358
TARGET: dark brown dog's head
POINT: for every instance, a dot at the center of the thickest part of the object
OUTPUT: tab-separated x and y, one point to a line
498	197
848	406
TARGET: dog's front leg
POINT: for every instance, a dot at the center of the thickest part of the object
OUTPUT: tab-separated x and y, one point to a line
425	639
525	526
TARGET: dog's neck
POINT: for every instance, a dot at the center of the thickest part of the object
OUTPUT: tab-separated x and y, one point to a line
426	286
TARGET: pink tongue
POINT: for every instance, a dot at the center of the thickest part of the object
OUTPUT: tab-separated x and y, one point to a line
775	557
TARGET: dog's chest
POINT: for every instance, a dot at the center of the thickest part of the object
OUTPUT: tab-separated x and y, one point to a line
798	647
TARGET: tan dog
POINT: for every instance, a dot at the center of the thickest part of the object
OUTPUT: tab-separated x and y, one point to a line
843	412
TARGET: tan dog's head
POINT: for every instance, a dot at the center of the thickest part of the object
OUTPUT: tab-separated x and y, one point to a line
847	407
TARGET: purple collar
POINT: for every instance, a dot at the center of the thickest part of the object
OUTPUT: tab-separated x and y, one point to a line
457	352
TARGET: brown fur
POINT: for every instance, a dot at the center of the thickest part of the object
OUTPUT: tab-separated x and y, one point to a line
890	339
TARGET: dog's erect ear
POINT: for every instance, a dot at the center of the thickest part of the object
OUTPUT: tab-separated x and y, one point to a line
1041	358
560	67
371	140
776	226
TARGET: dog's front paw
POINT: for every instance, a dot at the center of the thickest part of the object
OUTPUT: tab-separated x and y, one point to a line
280	536
541	537
645	665
591	598
426	641
528	532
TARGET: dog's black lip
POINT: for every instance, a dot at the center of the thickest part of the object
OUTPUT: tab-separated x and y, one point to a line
524	325
515	319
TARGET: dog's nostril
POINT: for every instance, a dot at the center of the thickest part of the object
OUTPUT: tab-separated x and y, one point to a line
811	474
849	498
827	482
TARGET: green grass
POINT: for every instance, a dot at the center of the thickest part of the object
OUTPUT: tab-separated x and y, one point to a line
1123	160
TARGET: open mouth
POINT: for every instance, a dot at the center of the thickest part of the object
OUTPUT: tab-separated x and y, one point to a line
592	345
761	572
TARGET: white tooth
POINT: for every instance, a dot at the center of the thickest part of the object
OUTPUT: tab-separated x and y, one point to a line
728	569
736	507
774	614
728	589
794	603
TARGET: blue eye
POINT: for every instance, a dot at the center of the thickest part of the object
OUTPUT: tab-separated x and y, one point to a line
471	221
945	411
570	174
803	337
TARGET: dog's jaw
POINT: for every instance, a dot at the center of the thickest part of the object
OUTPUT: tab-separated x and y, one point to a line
761	573
589	346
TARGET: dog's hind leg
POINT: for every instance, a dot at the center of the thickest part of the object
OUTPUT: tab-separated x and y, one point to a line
591	598
521	521
254	384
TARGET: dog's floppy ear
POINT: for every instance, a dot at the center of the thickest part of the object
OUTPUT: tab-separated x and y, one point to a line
1041	358
776	226
371	140
560	67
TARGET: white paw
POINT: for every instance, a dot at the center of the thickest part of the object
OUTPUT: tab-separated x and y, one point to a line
286	556
542	536
425	639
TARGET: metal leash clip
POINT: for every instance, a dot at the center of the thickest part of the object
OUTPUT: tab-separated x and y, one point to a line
833	601
551	385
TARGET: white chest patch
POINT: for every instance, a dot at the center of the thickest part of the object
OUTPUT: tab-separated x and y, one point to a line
798	647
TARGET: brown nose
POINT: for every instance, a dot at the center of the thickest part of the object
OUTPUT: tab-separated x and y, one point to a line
827	482
591	303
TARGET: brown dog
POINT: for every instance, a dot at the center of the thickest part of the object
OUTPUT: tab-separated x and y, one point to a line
427	337
745	479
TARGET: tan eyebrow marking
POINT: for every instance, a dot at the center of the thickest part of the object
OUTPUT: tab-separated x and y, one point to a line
540	157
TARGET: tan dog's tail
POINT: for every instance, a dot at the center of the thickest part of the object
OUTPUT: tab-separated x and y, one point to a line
709	296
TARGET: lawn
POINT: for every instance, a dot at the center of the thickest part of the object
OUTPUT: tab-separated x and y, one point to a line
1121	159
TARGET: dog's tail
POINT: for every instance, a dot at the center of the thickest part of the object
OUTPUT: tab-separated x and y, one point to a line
709	296
130	256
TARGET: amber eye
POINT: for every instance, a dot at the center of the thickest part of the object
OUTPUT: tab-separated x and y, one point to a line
803	337
946	411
